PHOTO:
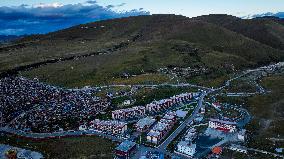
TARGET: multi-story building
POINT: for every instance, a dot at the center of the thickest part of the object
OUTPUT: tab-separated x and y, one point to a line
129	113
161	128
223	125
109	126
163	104
143	124
154	137
186	148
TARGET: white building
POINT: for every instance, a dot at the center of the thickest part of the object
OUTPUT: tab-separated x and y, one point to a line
82	127
222	125
186	148
191	134
242	135
154	137
238	148
127	102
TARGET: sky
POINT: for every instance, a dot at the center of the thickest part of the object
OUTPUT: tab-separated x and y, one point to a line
41	16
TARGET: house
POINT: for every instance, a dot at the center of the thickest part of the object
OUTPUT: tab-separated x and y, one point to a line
242	135
124	150
82	127
279	150
186	148
202	110
143	124
223	125
127	102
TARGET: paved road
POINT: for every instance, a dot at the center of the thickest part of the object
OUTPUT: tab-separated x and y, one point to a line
164	145
148	85
266	152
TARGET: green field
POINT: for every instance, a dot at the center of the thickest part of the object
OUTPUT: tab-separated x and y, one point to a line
66	148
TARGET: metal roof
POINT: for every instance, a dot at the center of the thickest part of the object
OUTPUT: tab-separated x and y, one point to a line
125	146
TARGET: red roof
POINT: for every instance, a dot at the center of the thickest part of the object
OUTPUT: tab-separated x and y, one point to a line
217	150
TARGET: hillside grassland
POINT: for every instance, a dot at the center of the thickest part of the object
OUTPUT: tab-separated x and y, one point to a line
266	30
136	60
139	45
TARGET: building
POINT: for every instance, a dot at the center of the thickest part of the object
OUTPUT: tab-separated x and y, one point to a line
222	125
109	126
191	134
11	154
238	148
164	104
217	150
161	128
127	102
82	127
186	148
144	124
202	110
216	105
198	119
154	137
242	135
181	114
124	150
170	117
129	113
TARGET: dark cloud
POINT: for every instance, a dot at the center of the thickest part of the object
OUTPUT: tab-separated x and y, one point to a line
92	2
122	4
46	18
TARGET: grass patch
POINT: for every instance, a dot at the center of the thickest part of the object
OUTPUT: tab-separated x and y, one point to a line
66	148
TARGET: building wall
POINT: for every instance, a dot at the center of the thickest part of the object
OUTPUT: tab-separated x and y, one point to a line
222	126
186	150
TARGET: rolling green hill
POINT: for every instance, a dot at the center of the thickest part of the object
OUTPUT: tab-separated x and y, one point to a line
100	52
266	30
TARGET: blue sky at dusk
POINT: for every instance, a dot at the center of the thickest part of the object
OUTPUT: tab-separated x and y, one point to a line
42	16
